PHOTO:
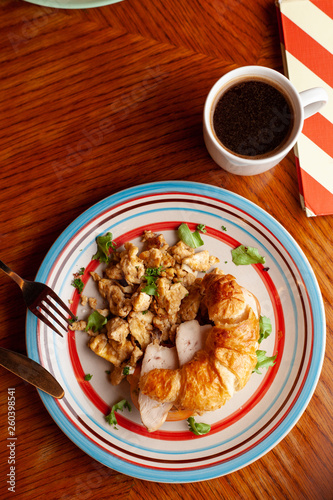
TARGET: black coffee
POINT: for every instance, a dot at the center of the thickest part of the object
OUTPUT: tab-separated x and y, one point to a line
252	118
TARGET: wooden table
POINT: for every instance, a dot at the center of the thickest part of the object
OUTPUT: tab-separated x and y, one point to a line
95	101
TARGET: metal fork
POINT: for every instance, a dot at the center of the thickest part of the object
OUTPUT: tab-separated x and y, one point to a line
37	297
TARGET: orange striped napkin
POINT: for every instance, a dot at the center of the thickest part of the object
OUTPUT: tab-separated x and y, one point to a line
306	31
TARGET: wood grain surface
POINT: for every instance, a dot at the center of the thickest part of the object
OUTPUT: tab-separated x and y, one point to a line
97	100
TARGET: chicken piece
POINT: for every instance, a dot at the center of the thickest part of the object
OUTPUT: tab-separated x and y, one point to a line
135	356
201	261
117	375
166	324
118	303
117	329
95	276
141	301
123	350
190	305
78	326
156	258
103	312
170	295
151	240
82	327
180	251
188	279
92	301
130	264
184	275
111	351
114	272
154	414
84	300
170	273
140	326
190	338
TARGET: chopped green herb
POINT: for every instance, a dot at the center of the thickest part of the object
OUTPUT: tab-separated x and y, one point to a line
108	372
111	417
78	284
71	320
154	271
151	275
192	240
95	321
202	228
104	244
81	271
150	289
144	312
126	370
198	428
223	228
88	376
263	361
246	255
265	328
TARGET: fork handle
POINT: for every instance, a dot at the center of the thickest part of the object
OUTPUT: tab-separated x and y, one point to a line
11	274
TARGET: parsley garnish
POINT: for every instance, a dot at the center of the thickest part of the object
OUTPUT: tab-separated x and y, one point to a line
78	284
71	320
246	255
198	428
151	275
95	321
223	228
104	244
81	271
202	228
126	370
111	417
88	376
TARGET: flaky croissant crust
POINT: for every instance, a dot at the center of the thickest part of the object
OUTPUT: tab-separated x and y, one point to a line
224	365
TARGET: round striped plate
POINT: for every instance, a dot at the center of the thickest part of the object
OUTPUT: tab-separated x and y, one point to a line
257	417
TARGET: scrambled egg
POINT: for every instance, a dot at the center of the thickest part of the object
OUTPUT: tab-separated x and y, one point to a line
142	310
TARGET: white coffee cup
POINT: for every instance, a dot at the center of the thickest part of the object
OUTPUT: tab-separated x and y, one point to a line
303	104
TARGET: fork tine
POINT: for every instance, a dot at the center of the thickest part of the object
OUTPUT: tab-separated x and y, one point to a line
57	299
55	309
46	321
41	305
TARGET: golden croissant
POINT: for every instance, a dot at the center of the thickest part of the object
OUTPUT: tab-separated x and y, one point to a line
225	363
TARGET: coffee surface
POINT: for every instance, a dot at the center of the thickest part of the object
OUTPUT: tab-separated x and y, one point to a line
252	118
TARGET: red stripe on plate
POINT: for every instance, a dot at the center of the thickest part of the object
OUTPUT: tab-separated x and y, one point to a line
309	52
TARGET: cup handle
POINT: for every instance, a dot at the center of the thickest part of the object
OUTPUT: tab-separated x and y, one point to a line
313	100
